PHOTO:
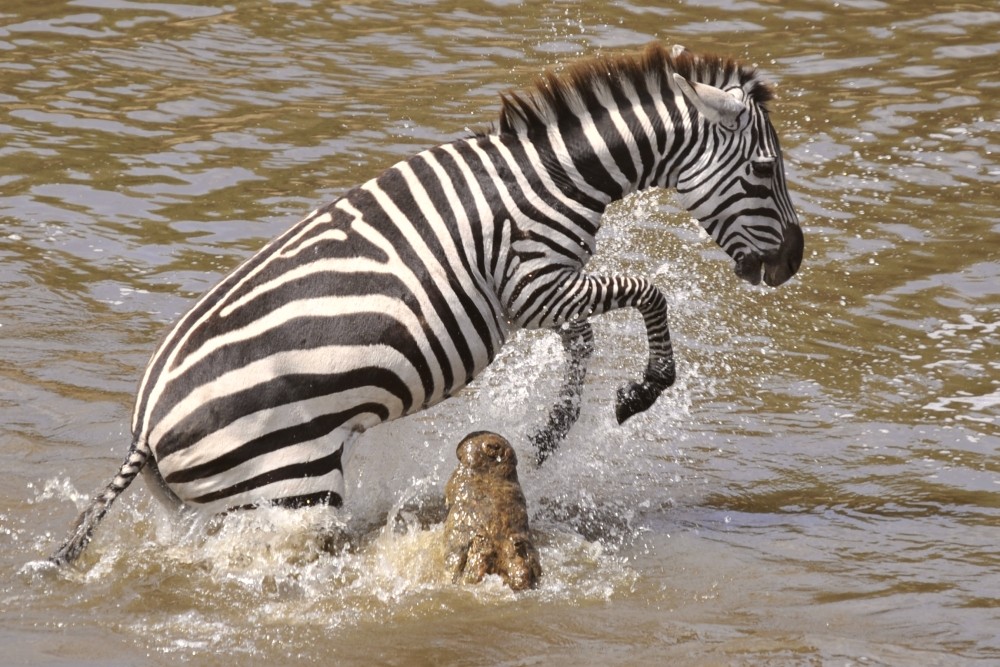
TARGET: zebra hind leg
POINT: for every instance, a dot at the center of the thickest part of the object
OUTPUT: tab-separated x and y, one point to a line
85	524
578	342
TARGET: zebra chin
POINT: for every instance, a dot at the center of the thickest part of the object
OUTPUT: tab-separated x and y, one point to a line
777	267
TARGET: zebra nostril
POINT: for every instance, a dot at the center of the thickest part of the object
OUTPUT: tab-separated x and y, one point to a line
748	268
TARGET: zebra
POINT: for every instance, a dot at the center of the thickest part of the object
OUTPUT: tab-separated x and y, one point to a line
397	294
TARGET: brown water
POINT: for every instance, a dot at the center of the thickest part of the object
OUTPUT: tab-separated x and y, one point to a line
822	486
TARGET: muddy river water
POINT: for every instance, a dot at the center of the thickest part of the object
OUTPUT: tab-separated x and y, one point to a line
821	486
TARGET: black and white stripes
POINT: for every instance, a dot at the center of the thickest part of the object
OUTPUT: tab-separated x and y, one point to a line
396	295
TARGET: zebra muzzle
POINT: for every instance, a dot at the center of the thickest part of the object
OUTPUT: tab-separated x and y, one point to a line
788	258
777	266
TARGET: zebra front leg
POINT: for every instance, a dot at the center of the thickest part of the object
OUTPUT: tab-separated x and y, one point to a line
660	373
578	342
576	296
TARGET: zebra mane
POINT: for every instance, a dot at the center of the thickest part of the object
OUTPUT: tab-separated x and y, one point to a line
553	95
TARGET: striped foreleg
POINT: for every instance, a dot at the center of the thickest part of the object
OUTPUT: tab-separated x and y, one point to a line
577	296
636	397
578	342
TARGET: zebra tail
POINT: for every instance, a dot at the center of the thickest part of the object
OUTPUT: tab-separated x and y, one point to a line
83	529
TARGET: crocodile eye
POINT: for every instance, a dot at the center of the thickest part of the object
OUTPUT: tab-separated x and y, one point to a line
763	168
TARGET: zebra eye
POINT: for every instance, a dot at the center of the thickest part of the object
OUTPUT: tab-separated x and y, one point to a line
763	167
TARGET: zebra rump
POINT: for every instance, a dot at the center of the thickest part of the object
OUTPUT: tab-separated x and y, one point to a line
397	294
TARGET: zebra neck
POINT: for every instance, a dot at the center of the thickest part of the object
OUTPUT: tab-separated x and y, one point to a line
561	176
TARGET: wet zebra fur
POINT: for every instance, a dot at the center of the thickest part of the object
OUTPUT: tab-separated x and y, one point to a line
397	294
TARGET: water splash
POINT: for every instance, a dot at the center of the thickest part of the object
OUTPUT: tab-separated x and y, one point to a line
241	583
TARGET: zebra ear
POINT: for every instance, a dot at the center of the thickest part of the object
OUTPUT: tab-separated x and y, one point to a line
715	104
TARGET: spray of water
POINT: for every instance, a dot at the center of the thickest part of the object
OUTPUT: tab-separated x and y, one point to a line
232	582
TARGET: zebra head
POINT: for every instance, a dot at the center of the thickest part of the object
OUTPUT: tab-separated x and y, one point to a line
735	183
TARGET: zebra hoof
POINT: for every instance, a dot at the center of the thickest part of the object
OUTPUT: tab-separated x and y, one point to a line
633	398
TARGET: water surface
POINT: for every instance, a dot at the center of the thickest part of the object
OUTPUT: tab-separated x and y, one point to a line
822	485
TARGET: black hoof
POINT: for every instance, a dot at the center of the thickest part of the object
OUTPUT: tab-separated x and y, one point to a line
633	398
